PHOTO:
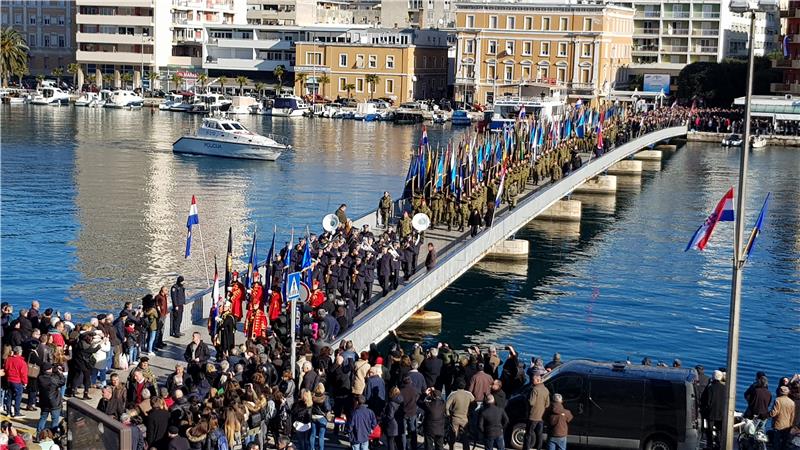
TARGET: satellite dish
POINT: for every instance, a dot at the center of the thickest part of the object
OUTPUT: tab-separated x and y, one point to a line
420	222
330	223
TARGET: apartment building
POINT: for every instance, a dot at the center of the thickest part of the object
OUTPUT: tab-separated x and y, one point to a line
789	64
418	13
410	64
140	37
531	48
49	29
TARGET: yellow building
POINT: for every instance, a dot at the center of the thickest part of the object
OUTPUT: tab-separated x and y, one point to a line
527	49
48	29
410	64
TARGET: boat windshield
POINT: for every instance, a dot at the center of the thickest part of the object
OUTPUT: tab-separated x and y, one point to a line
226	126
237	126
289	103
512	111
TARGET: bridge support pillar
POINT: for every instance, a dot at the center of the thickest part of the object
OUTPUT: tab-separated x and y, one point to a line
648	155
423	319
626	167
562	211
666	147
601	184
510	249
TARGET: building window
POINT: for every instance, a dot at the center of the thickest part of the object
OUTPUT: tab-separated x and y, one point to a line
492	50
32	20
511	22
586	50
527	48
359	85
491	72
510	47
389	62
61	20
342	84
342	59
493	22
528	23
313	58
562	49
509	72
587	24
17	19
424	62
586	75
31	40
359	61
46	20
561	74
62	42
470	21
563	23
469	46
526	72
46	42
545	49
545	24
373	61
389	87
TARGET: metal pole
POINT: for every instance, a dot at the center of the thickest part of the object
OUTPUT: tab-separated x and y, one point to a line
293	324
203	246
736	282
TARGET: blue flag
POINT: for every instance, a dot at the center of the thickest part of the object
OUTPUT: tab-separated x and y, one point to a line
306	265
757	228
268	271
251	264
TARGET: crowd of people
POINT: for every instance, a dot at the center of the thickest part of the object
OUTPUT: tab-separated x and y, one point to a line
233	392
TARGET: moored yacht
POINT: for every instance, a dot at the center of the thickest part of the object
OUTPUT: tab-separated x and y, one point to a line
289	106
50	95
230	139
123	98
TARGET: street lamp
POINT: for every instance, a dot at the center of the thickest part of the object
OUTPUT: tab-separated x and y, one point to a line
742	7
145	34
314	74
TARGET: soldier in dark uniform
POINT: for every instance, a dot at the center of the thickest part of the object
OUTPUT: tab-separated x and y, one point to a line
475	222
178	295
385	271
369	276
357	281
396	265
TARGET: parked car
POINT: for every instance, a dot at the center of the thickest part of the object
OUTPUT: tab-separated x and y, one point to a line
616	405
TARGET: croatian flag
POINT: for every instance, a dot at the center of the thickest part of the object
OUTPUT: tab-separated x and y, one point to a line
722	213
424	136
193	219
521	112
500	189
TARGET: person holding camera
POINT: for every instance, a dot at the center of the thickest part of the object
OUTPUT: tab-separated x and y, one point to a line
433	422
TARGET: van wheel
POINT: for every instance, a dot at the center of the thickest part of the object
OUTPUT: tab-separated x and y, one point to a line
659	443
516	438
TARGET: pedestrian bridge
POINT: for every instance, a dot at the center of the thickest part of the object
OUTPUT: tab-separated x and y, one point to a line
456	251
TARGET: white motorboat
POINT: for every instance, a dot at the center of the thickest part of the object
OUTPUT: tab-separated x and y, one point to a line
242	104
124	98
50	95
732	140
175	102
87	99
289	106
758	142
14	96
230	139
209	104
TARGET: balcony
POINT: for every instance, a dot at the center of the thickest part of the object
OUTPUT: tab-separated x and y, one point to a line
84	56
705	32
98	19
703	49
645	49
784	88
186	61
786	63
790	13
199	4
465	80
676	14
128	3
676	32
245	64
675	48
647	14
705	15
108	38
577	86
646	31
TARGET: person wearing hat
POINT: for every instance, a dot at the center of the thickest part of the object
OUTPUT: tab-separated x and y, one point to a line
49	383
178	295
783	418
236	297
713	404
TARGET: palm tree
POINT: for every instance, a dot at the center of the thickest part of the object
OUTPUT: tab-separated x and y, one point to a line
58	72
127	78
278	72
202	79
372	80
39	80
177	80
301	78
222	80
260	89
323	80
349	87
73	69
152	76
13	53
20	72
242	80
107	79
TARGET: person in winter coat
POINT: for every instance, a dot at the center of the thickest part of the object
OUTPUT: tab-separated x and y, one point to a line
81	364
783	418
539	401
392	420
492	423
433	423
458	403
361	424
101	358
558	419
713	404
320	408
410	395
375	392
431	367
16	375
360	369
301	414
156	422
50	399
758	398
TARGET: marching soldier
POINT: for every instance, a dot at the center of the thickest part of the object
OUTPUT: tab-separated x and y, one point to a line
385	209
451	216
512	193
405	226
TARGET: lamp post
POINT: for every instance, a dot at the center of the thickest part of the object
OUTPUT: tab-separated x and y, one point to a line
145	38
314	74
752	7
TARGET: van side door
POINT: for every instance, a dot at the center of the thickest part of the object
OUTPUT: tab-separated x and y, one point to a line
615	406
574	391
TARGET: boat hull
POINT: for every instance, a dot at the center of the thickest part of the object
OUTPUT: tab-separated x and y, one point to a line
209	147
286	112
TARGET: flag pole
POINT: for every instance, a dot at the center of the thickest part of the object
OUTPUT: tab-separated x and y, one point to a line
203	247
293	315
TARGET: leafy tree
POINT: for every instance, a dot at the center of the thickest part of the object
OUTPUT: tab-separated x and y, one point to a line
177	80
39	80
260	88
20	72
107	79
152	76
718	84
127	79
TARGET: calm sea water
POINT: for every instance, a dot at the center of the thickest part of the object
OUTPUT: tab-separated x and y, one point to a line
94	208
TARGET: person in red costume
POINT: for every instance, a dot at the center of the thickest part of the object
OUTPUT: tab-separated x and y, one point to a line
317	297
255	324
275	305
237	297
257	291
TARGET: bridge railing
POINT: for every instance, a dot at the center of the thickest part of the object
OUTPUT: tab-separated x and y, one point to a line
410	297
